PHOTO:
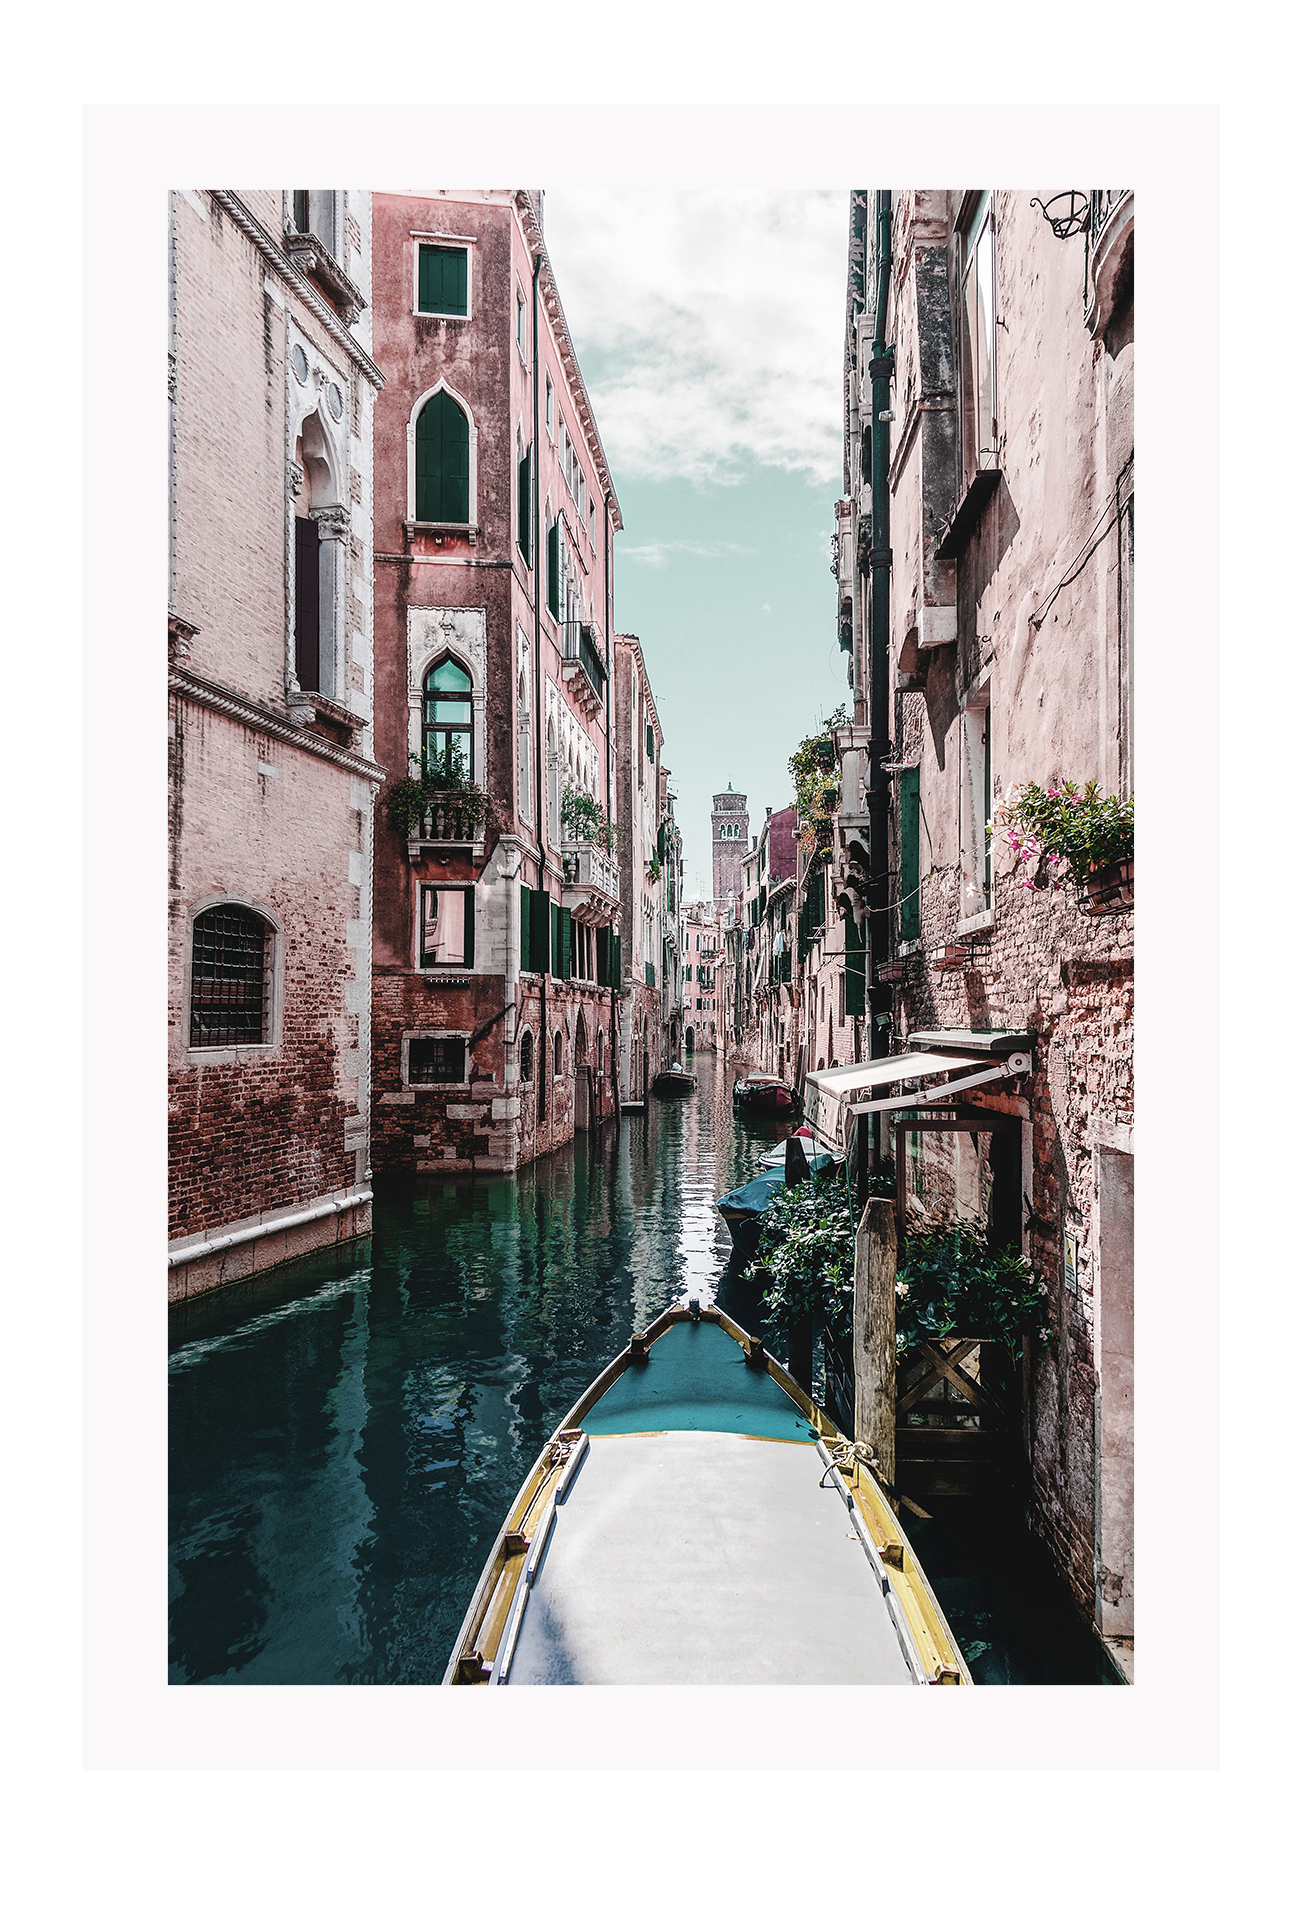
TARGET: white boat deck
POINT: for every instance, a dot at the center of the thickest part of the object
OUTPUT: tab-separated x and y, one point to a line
698	1556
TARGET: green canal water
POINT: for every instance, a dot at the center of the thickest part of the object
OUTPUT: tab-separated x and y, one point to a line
346	1439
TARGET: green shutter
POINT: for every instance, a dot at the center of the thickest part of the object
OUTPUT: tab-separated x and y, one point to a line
539	935
469	925
602	956
565	968
526	508
650	741
442	462
525	921
909	838
444	281
553	570
555	941
616	949
855	969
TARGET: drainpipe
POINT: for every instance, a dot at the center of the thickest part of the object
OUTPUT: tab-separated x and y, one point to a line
539	711
881	368
609	805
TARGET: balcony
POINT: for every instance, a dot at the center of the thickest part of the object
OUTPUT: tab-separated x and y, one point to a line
448	822
584	666
590	881
1109	282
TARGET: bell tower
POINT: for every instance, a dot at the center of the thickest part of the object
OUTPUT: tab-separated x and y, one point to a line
730	839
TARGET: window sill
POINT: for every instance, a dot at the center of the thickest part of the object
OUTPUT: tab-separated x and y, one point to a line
440	976
966	518
973	923
463	532
308	254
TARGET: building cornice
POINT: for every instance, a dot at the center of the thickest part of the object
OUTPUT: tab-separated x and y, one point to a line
253	229
527	207
225	701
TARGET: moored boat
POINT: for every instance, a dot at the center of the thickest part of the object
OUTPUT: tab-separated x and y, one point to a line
764	1093
743	1208
676	1083
687	1523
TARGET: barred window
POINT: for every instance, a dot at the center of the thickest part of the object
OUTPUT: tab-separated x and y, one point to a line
436	1062
229	979
526	1056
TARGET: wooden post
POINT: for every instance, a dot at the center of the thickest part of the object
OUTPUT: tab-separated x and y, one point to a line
875	1347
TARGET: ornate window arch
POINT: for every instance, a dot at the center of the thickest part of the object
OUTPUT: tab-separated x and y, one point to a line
447	725
442	458
526	1056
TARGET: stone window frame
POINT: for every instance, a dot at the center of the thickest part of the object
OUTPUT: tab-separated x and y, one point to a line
327	463
463	529
273	964
521	313
470	889
449	241
433	1032
974	805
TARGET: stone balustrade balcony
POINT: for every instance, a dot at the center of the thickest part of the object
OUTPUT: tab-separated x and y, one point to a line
448	821
590	882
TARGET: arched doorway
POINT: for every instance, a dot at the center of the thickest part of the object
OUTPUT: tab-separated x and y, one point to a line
690	1039
645	1061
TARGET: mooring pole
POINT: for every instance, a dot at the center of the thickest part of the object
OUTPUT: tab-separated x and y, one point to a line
875	1347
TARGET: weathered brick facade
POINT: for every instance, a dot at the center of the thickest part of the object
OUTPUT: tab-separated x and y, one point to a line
271	788
510	586
1007	560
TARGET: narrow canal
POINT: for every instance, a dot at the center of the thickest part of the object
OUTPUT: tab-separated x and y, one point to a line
346	1439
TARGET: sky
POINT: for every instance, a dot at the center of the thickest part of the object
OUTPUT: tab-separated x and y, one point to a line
710	330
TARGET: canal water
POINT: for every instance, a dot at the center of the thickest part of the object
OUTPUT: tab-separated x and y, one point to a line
347	1438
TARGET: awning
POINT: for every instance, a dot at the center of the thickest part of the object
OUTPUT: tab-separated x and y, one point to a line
927	1078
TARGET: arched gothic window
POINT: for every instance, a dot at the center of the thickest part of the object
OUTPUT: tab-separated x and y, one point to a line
442	462
448	726
559	1053
526	1056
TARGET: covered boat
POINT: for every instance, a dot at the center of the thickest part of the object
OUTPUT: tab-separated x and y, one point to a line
676	1083
697	1519
743	1207
762	1092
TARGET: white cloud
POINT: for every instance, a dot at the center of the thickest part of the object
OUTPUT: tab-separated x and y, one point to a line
657	554
710	326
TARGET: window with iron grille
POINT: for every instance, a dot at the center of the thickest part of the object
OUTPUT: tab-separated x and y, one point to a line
436	1062
230	979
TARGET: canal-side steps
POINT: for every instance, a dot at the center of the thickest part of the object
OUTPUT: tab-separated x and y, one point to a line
696	1518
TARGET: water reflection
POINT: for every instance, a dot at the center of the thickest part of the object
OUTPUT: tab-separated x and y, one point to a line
346	1444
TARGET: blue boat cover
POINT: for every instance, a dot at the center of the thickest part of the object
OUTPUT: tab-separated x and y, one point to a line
697	1379
751	1200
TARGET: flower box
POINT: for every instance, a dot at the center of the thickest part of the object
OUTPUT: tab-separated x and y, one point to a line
1109	889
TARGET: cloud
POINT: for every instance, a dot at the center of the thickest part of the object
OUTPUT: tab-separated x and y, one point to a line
709	325
657	554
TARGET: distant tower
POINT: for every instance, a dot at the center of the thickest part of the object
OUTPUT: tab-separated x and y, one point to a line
730	841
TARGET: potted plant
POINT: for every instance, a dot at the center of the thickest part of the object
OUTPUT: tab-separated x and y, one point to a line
1064	832
816	778
582	818
462	804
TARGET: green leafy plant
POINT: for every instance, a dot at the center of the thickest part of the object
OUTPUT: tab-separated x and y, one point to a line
952	1283
1062	830
805	1253
816	777
655	869
583	818
408	800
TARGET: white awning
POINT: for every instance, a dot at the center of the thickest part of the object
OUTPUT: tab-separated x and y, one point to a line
831	1097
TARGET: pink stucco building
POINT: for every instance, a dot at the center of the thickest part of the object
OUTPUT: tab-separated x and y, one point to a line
497	950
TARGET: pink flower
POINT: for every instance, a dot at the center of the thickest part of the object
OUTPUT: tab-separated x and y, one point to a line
1028	885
